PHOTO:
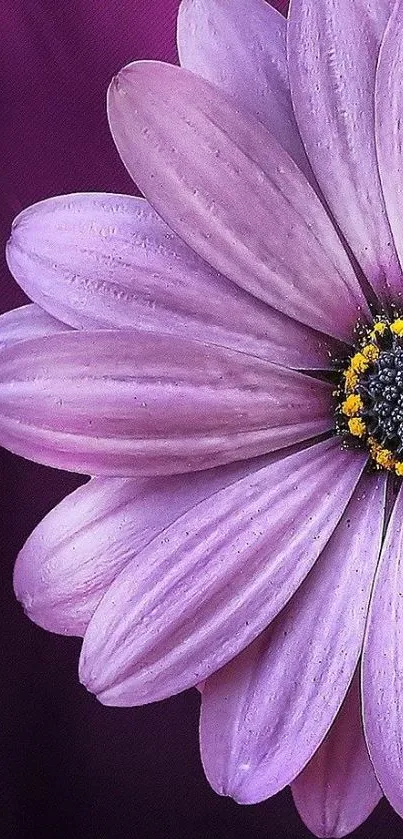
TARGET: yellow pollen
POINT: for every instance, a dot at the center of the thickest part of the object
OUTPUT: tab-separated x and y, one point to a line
351	379
370	352
357	427
352	405
378	329
359	363
385	458
399	468
397	326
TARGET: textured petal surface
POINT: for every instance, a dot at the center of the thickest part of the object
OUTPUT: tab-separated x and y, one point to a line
333	49
27	322
224	184
389	112
382	669
130	403
265	714
77	550
193	599
338	789
241	47
100	260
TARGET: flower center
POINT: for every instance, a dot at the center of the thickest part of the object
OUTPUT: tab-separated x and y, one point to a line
370	409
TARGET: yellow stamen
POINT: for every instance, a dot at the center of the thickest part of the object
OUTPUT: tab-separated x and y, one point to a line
397	326
371	352
351	379
352	405
359	363
379	329
357	427
385	458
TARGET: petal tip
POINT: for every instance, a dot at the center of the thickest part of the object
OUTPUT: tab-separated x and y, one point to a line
117	84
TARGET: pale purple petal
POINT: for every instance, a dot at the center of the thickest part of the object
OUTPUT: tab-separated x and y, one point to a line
241	47
382	668
194	598
108	261
338	789
389	112
73	555
223	183
131	403
27	322
333	49
265	714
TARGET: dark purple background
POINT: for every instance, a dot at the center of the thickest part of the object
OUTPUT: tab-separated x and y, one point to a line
68	766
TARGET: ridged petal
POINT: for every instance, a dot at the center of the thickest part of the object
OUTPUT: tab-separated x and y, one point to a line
241	47
27	322
265	714
382	669
131	403
389	112
333	48
338	789
108	261
74	554
195	598
224	184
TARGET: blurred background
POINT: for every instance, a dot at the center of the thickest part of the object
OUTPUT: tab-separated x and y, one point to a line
68	766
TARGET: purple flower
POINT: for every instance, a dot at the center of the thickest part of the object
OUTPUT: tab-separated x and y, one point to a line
227	359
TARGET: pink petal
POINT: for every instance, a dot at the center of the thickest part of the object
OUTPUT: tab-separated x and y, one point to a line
382	669
241	47
388	107
333	49
77	550
27	322
195	598
99	260
132	402
266	713
338	789
229	190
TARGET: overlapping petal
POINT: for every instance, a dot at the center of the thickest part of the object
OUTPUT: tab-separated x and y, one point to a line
192	599
222	182
100	260
265	714
131	403
27	322
338	789
74	554
333	49
241	47
382	672
389	112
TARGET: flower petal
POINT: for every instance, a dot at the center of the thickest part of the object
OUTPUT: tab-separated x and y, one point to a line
131	403
222	182
27	322
108	261
338	789
333	49
74	554
382	669
193	599
265	714
388	111
241	48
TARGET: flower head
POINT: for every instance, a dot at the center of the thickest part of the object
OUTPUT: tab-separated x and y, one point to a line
225	356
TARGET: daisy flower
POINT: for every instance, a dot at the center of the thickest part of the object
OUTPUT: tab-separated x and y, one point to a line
225	356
